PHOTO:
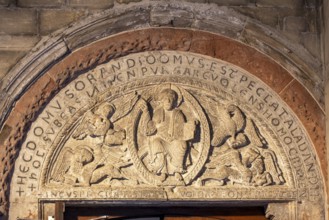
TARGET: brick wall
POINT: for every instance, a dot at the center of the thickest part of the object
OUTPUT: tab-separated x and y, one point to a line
23	23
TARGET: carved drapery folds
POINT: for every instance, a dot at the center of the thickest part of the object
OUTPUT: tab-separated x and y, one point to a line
167	126
161	136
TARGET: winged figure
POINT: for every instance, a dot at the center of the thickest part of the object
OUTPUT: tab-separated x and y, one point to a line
246	147
227	123
70	165
99	122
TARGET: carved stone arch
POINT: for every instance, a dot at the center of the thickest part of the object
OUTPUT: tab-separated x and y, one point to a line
78	52
209	18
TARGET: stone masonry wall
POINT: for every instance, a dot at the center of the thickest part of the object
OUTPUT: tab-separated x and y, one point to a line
23	23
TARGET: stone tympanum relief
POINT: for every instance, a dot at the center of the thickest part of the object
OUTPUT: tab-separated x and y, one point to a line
162	137
167	126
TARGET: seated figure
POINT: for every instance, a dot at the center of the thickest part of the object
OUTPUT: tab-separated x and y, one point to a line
170	133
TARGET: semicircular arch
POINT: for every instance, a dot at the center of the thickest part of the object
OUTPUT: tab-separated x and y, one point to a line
78	49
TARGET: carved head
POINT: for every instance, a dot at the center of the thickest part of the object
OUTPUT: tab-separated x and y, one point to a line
84	156
168	98
105	110
237	116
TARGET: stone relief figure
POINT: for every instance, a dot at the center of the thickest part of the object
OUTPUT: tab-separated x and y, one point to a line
168	132
228	125
98	124
99	131
241	154
162	140
259	158
71	165
95	123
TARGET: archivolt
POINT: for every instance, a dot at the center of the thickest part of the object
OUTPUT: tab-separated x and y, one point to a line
215	31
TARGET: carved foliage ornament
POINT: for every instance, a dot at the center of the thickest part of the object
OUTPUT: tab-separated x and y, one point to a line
197	127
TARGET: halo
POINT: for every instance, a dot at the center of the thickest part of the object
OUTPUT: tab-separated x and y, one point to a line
172	87
179	94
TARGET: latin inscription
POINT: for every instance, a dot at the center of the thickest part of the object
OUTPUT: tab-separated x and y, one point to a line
181	193
237	194
105	194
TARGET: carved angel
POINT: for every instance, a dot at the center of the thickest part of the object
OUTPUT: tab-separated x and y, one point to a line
100	123
231	128
95	123
112	168
70	165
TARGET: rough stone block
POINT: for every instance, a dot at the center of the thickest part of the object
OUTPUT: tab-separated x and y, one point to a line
18	21
293	36
126	21
268	16
230	2
225	21
5	2
178	18
96	4
196	1
312	16
311	3
8	59
293	23
127	1
280	3
52	20
17	43
40	3
286	12
219	26
311	42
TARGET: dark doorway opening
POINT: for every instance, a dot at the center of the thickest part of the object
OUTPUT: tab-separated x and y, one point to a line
88	212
